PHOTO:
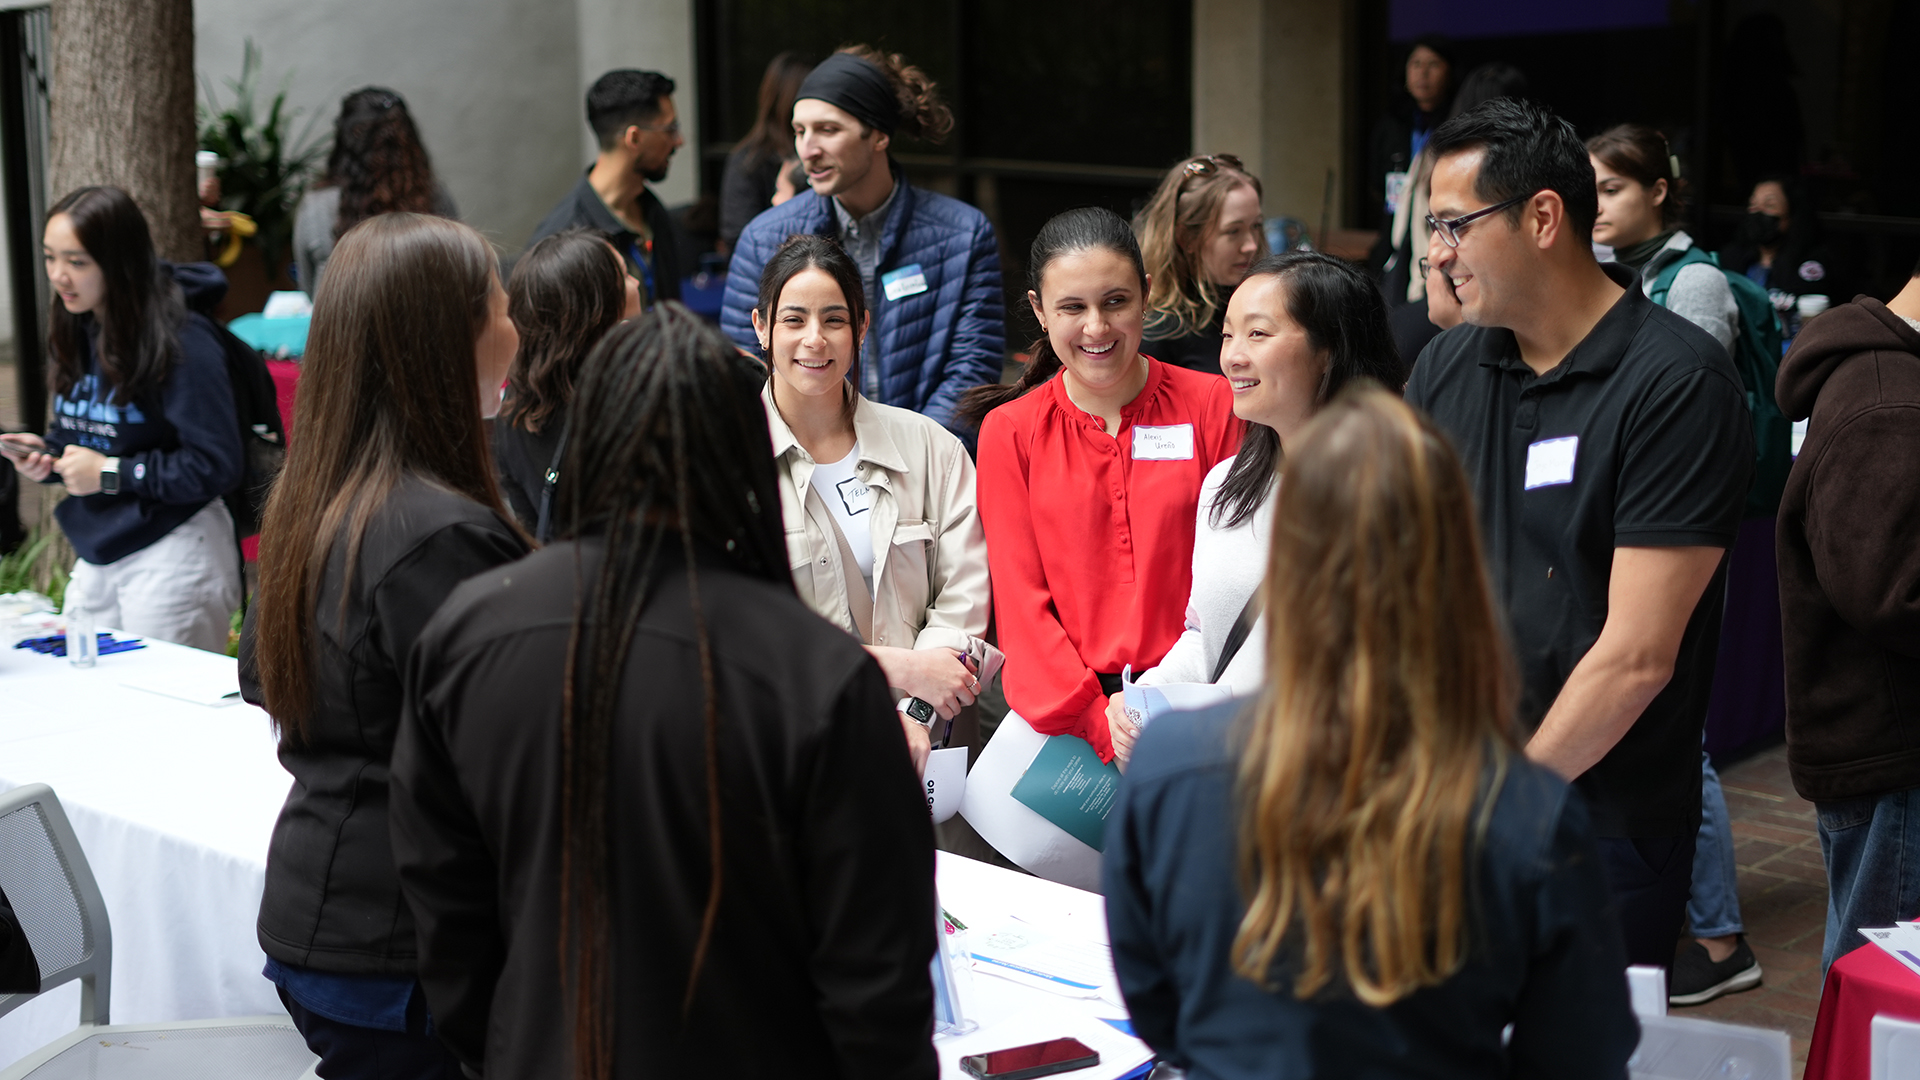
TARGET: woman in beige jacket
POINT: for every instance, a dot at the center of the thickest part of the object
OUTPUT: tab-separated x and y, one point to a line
882	534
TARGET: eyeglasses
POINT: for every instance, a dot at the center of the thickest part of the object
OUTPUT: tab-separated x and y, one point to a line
670	129
1449	230
1207	166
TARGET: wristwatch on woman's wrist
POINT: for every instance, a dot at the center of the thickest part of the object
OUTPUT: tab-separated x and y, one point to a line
110	476
921	712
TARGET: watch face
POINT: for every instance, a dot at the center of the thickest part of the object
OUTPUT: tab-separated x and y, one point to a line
920	711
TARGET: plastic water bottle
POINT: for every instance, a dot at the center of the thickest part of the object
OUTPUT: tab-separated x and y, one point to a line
83	648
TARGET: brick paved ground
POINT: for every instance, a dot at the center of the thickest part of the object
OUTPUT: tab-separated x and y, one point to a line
1783	899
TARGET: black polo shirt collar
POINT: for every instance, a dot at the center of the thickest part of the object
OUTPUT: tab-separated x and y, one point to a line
1597	354
589	206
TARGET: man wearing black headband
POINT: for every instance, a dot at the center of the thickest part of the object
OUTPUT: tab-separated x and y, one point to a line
930	264
632	116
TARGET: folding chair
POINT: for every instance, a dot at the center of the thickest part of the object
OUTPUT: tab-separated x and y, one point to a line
1895	1050
46	879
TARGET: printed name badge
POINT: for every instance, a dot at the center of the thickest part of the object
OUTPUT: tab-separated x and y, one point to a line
1173	442
854	496
907	281
1550	461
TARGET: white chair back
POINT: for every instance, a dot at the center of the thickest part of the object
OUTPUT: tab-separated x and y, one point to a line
1896	1049
52	892
1677	1048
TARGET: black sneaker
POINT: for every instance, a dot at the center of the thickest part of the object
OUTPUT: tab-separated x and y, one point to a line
1696	980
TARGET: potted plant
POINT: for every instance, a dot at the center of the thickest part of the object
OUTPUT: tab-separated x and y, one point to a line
263	173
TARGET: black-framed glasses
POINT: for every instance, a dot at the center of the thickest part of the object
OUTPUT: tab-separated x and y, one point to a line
1449	229
1206	166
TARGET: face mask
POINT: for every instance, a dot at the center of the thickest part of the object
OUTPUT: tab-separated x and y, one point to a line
1761	229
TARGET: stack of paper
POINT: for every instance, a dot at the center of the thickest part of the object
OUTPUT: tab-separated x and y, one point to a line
1901	940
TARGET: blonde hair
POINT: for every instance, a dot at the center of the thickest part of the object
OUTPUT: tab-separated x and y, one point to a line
1174	228
1390	694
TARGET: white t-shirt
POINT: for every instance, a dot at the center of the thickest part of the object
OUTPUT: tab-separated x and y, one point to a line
847	499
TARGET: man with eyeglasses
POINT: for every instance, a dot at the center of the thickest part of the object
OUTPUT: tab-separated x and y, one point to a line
1610	451
631	113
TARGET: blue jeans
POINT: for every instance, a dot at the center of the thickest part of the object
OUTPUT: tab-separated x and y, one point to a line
1713	906
1872	848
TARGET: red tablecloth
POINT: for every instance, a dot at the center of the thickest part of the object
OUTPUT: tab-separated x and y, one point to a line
286	377
1860	985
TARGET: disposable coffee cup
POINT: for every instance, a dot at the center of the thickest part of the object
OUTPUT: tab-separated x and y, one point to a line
206	163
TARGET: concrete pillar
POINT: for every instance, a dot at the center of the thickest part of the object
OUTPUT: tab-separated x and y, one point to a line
653	35
1270	83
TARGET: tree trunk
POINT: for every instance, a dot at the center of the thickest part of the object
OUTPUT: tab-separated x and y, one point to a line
122	110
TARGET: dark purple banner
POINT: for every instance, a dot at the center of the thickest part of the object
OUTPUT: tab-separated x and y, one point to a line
1408	19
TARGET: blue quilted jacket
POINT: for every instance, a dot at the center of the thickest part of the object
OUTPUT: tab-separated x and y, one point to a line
929	348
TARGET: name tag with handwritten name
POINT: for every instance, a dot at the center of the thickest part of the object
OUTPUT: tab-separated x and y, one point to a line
1173	442
1550	461
907	281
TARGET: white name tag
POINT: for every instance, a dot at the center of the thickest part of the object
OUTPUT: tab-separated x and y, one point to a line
907	281
1173	442
1550	461
854	495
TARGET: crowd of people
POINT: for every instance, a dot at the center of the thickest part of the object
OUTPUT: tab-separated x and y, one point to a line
604	646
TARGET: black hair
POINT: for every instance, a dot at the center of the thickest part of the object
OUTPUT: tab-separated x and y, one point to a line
377	160
669	446
139	314
1527	150
622	98
809	251
1067	233
1345	317
566	292
1495	79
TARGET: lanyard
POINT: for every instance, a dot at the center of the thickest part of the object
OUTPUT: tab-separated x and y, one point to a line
642	255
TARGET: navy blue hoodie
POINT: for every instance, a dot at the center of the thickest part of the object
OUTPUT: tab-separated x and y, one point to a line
179	449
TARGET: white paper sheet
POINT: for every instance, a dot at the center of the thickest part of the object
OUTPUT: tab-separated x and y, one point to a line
1901	941
1031	841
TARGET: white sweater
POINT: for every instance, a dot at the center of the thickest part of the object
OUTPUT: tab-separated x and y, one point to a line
1228	564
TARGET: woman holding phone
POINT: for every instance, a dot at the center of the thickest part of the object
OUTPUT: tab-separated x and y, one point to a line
144	436
388	500
878	501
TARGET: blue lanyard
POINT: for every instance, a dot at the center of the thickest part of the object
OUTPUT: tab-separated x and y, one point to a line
643	258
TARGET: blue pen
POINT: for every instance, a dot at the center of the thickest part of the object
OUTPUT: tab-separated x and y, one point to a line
1038	974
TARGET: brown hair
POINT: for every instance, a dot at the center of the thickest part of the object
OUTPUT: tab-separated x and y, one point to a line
1642	154
566	292
377	161
388	388
772	133
808	251
922	114
1174	228
140	312
1390	694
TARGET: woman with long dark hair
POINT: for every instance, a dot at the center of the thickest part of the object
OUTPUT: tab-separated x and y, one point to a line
1360	873
752	175
1090	474
144	436
878	501
565	293
1298	330
655	817
378	165
387	501
1199	233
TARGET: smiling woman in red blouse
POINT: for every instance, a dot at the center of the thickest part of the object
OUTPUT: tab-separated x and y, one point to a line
1088	485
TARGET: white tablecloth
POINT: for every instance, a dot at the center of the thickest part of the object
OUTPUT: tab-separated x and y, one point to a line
173	803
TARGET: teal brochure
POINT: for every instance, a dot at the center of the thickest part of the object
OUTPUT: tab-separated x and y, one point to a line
1070	786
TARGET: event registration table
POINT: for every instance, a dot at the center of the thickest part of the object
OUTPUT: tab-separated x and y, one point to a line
174	800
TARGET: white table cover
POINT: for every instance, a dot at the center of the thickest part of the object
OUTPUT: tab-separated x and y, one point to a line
173	803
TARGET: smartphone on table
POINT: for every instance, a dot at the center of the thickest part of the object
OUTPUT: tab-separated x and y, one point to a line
1034	1059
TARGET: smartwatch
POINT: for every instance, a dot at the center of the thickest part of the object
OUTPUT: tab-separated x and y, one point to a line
921	712
110	477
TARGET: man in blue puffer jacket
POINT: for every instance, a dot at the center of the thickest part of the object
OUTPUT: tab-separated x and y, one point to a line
930	263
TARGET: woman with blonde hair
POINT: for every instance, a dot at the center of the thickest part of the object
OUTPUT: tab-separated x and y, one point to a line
1362	874
1200	234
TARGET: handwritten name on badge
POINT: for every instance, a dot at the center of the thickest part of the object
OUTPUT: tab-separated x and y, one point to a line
854	495
1550	461
1173	442
907	281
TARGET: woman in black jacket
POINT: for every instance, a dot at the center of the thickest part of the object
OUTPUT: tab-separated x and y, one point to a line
652	815
566	292
386	503
144	434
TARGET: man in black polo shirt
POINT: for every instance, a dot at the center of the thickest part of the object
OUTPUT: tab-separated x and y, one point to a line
632	114
1610	452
